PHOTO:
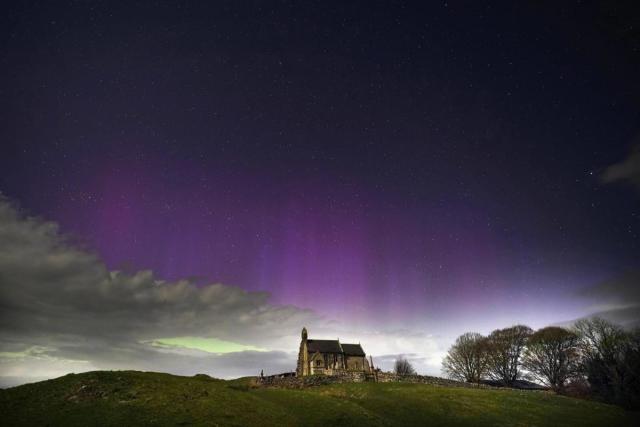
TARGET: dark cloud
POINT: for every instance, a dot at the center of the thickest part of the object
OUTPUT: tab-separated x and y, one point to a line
622	289
617	300
626	170
62	310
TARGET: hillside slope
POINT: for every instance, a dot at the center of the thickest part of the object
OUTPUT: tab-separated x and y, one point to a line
146	398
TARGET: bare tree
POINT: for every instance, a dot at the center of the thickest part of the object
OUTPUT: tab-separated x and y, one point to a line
504	349
403	367
467	359
551	356
610	360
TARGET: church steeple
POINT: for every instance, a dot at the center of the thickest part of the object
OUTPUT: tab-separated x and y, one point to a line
304	334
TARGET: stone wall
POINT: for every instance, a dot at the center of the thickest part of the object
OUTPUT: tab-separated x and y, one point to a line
289	381
387	377
310	380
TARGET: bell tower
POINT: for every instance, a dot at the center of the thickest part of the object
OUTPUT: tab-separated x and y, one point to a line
303	356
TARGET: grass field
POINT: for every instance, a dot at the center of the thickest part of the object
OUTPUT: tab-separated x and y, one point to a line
128	398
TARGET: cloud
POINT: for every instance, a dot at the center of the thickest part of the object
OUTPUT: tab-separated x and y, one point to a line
62	310
622	289
617	300
626	170
210	345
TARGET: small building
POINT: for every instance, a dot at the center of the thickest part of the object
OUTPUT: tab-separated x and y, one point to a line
329	357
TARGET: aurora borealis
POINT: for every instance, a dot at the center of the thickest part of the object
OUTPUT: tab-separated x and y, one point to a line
390	170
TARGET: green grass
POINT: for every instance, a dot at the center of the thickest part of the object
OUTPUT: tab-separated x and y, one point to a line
128	398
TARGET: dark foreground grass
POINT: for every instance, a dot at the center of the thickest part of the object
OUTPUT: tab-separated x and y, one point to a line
127	398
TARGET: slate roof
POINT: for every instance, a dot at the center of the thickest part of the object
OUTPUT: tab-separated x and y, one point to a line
334	346
324	346
353	350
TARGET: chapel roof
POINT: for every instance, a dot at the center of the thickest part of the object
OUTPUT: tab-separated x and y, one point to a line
324	346
334	346
353	350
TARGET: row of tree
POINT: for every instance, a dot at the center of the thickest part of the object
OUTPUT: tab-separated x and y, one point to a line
594	354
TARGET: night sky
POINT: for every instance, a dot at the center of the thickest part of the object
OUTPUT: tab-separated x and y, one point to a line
391	166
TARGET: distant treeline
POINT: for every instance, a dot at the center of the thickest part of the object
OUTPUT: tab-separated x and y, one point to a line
593	358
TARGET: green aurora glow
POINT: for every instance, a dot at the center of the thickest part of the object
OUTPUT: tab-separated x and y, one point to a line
210	345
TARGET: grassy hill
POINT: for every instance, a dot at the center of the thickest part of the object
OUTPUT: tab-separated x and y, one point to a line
146	398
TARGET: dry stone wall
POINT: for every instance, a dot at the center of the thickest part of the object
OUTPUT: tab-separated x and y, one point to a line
387	377
288	381
310	380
